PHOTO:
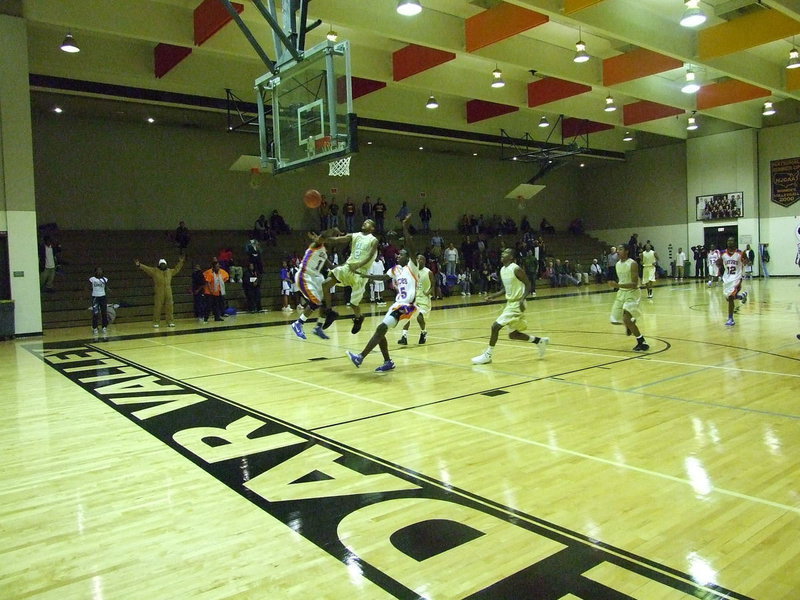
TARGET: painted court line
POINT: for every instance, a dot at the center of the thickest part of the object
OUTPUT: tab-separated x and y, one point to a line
514	438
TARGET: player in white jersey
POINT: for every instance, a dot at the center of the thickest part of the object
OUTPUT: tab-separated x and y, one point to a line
731	265
309	280
516	287
626	304
713	266
649	260
405	275
423	301
353	273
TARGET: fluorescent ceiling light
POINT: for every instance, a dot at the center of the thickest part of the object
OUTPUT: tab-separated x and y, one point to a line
409	8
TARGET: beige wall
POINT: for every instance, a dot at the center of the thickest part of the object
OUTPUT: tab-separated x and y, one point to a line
115	175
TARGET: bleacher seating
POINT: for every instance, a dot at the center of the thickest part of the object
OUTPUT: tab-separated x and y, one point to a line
116	251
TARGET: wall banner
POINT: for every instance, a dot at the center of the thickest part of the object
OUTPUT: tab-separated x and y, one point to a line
785	180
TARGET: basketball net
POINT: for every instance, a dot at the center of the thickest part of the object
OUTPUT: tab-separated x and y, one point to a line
340	167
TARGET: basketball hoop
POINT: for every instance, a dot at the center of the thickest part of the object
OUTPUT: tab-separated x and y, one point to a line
340	167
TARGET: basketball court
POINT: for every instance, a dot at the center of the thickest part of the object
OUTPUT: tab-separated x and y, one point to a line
240	461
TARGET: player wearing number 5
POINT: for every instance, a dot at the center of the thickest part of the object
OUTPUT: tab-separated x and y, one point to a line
731	265
353	274
405	275
516	287
309	280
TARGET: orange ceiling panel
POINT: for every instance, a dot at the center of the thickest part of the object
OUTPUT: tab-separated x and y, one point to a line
415	59
792	80
209	17
166	57
754	29
635	65
572	127
572	6
551	89
499	23
644	110
728	92
480	110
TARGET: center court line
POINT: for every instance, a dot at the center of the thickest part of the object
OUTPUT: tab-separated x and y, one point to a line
507	436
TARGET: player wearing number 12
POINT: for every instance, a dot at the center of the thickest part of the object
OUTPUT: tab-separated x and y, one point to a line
731	265
405	275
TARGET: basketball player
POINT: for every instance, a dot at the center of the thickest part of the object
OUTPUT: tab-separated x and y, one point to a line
405	275
516	287
649	260
423	302
713	268
731	265
626	304
353	273
309	281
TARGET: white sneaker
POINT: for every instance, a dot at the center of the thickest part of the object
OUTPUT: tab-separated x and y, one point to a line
542	345
483	359
155	325
172	324
105	330
94	331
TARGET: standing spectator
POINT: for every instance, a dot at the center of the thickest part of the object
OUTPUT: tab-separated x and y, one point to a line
324	214
48	262
699	261
751	257
286	287
437	242
633	247
531	267
450	259
215	278
469	252
366	208
253	250
377	285
764	252
546	227
182	237
252	287
403	212
199	293
425	217
379	209
260	228
333	221
99	300
681	263
349	215
162	288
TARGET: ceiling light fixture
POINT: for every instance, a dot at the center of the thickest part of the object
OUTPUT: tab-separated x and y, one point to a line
151	120
693	16
497	78
581	56
690	87
628	137
332	36
691	124
610	106
794	57
409	8
69	45
432	103
543	122
58	110
769	110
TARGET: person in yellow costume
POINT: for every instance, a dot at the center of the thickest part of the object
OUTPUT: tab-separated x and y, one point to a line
162	288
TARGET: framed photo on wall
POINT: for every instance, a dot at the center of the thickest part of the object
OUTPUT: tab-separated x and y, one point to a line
720	207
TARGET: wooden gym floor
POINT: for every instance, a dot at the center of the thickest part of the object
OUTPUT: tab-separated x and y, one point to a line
242	462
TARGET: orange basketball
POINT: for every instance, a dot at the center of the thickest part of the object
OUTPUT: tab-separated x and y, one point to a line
312	198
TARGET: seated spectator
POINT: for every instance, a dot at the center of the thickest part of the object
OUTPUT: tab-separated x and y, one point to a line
551	274
225	258
546	227
568	274
596	271
524	225
581	274
576	226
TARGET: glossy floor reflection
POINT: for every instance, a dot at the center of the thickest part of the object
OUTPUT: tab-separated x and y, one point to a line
240	461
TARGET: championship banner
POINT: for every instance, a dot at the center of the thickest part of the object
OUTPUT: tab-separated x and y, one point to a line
785	181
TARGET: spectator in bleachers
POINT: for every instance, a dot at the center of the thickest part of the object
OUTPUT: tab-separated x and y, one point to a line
252	287
581	273
570	275
531	266
425	217
253	251
277	223
182	237
551	273
450	259
524	225
596	271
333	220
546	227
199	293
403	212
349	211
613	258
576	226
324	214
379	210
366	208
286	287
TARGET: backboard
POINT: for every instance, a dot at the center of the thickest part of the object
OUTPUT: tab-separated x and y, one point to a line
306	110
